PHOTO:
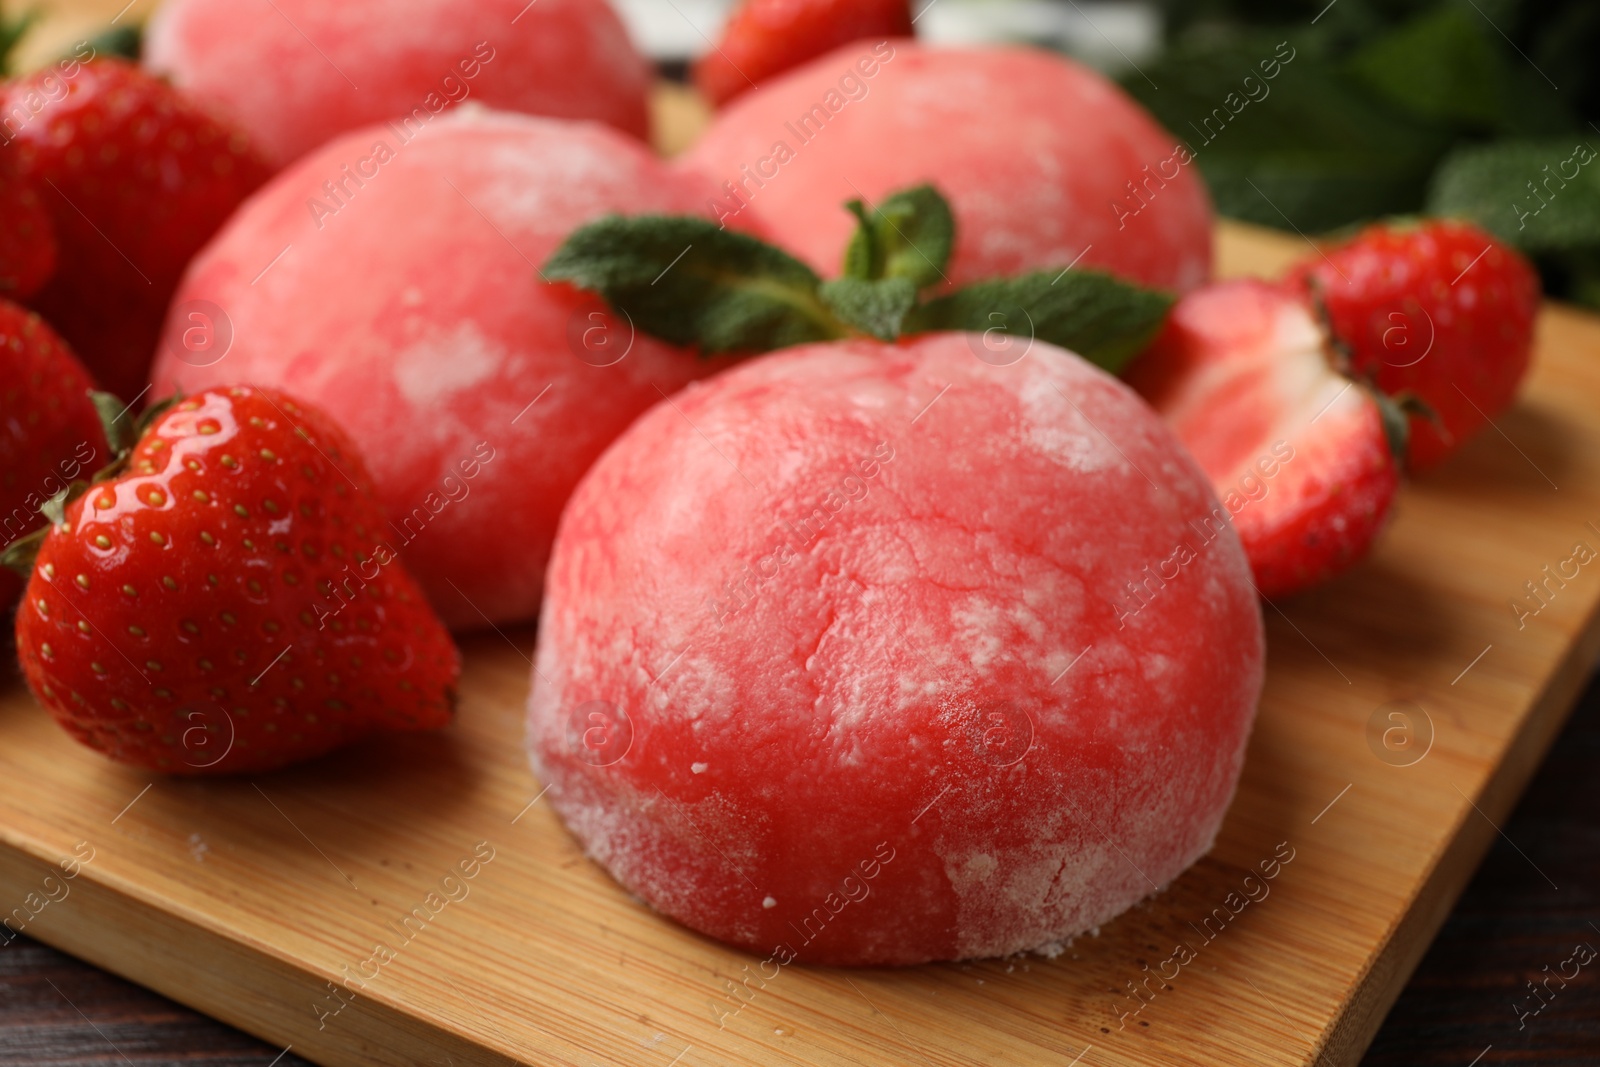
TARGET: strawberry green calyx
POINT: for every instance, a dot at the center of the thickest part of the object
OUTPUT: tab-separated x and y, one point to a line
122	434
123	431
690	282
1396	423
20	554
114	420
1396	409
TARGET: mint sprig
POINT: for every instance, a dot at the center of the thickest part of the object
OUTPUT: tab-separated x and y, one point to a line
1104	320
687	280
877	307
909	235
690	282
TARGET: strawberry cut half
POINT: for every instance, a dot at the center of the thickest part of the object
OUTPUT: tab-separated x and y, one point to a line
1301	457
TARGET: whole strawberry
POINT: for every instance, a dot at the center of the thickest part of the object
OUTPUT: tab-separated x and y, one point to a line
1435	311
27	242
764	38
50	432
135	179
228	602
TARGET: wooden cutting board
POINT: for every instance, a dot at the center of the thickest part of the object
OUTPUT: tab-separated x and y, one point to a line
246	898
1405	708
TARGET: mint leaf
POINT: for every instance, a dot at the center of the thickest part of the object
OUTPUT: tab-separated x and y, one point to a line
1104	320
688	281
875	307
909	235
1440	67
1542	196
1282	133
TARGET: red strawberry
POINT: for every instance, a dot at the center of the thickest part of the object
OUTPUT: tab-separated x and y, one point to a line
1435	310
1297	452
49	431
764	38
135	179
228	602
27	243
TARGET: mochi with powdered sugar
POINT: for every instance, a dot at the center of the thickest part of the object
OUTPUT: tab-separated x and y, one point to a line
296	73
1045	162
880	654
408	305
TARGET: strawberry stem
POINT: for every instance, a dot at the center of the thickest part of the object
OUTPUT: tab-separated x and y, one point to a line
1396	423
20	554
119	429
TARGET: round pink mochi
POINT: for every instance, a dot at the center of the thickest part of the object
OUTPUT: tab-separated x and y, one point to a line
295	73
394	285
872	654
1043	160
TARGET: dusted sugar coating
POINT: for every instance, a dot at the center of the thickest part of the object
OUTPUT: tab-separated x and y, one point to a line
296	73
410	310
1035	153
840	662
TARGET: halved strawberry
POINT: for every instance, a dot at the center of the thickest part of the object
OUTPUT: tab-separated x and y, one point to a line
50	433
230	601
1298	453
764	38
135	178
1433	310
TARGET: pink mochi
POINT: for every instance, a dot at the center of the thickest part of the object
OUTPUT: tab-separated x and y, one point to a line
880	654
1043	160
407	304
295	73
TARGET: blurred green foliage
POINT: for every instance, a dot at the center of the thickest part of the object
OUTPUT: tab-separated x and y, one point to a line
1482	109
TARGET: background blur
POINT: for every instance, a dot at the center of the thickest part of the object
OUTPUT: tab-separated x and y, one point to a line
1479	108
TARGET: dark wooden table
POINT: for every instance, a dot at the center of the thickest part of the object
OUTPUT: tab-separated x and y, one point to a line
1461	1008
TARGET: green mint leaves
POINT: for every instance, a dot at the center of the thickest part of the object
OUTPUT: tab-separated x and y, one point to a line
690	282
876	307
910	235
1541	195
1104	320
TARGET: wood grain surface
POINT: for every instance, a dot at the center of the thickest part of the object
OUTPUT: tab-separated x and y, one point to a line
254	901
246	899
1507	928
